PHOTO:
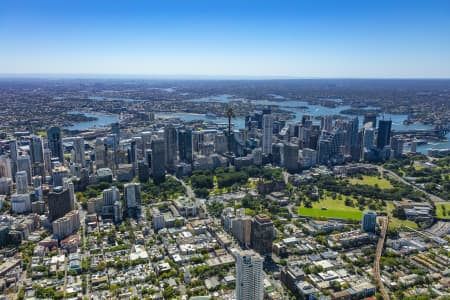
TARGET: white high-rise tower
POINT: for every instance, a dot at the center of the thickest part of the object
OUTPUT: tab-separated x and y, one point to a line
249	276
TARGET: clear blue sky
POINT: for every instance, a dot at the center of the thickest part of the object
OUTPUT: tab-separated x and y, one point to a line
303	38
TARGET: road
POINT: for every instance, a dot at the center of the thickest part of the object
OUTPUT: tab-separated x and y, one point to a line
190	193
379	251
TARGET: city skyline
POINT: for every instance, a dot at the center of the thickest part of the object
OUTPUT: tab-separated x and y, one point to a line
226	40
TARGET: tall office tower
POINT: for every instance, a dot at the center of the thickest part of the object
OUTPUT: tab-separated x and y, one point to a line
267	125
100	153
36	149
304	135
278	154
241	228
21	182
148	157
48	160
37	181
198	137
143	171
117	208
262	235
249	276
413	147
324	151
326	123
185	145
59	203
220	143
78	156
58	175
115	129
370	119
37	156
397	146
55	143
140	148
257	156
368	137
158	159
6	166
291	157
132	196
13	150
24	164
68	185
132	152
352	141
110	196
384	133
309	157
170	140
369	221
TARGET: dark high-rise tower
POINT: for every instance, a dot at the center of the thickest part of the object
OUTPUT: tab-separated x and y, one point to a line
158	159
55	142
170	139
262	235
185	145
384	133
59	203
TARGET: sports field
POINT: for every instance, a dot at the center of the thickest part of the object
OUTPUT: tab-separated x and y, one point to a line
330	208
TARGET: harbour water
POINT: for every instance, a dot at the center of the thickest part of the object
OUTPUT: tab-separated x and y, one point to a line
102	121
299	108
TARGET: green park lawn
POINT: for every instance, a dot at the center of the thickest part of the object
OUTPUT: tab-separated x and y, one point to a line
440	210
334	209
372	181
337	209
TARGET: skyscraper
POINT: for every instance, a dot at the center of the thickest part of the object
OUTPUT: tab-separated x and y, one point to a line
158	159
267	125
384	133
110	196
21	182
55	142
24	164
115	129
132	195
37	156
397	146
185	145
369	221
36	149
368	137
13	150
78	151
262	235
59	203
249	276
170	140
291	157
